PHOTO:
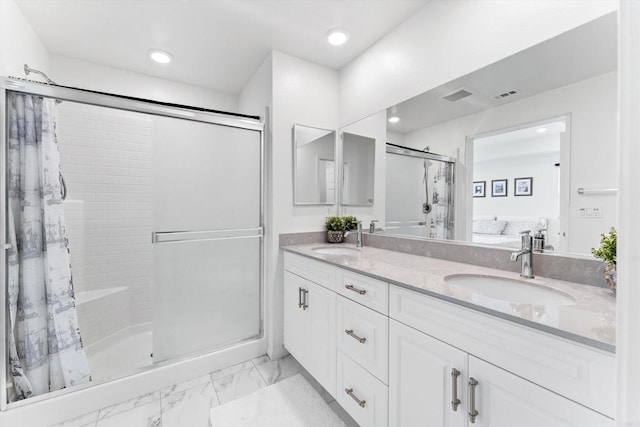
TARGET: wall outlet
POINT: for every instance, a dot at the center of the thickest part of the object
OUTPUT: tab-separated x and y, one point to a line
590	212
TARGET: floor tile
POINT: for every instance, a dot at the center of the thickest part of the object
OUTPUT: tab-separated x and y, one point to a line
199	381
141	416
190	407
89	419
274	371
232	369
238	384
129	405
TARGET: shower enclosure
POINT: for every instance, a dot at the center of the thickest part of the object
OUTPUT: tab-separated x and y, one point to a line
419	193
163	213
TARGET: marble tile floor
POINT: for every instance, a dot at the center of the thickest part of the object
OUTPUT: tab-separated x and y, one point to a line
188	404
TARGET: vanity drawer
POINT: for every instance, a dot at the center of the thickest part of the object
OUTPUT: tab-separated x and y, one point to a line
363	335
354	382
315	271
579	372
365	290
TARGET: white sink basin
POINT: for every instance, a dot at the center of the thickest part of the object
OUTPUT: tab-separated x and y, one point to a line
517	291
337	250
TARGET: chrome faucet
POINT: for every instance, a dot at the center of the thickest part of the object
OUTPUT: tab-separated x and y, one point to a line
525	255
358	235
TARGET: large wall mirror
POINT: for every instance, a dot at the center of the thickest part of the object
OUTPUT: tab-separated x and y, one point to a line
534	139
358	166
314	169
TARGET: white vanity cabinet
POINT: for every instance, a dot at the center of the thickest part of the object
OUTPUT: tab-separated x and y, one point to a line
396	357
309	328
425	377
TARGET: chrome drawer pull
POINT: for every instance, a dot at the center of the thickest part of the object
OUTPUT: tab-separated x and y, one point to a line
354	289
454	389
349	391
351	334
473	413
305	300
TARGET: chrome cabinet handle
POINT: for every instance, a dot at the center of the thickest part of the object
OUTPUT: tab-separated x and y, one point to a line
473	413
357	338
454	389
305	300
299	297
349	391
354	289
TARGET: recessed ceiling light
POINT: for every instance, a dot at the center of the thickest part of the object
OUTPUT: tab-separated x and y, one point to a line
337	37
394	119
541	130
160	56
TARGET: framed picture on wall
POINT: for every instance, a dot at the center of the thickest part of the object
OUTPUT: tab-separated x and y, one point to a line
523	186
479	188
499	188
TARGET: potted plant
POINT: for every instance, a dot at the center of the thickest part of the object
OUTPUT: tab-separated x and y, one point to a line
351	222
336	227
607	253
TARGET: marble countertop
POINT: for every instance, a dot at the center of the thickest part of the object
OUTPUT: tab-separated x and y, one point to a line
591	320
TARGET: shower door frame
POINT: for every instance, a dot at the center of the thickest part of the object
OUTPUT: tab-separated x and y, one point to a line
124	103
412	152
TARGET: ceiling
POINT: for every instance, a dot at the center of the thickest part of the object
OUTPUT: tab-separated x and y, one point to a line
586	51
216	44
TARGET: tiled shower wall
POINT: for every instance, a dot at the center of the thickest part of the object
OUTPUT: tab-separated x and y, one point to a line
106	163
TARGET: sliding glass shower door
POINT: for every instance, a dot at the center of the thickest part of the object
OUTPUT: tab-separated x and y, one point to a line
207	237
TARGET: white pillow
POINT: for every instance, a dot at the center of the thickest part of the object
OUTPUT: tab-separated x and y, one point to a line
484	226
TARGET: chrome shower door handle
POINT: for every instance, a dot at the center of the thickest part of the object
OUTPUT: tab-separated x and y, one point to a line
473	412
454	389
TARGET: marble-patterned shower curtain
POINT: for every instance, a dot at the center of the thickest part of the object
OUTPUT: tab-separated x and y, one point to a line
45	346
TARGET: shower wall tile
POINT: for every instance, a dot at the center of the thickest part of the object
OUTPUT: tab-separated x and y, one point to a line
106	160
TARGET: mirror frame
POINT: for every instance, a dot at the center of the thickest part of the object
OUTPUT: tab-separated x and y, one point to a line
295	165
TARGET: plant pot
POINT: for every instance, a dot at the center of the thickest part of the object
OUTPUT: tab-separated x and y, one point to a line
335	236
610	276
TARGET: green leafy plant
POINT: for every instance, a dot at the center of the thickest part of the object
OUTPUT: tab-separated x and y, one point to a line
335	223
351	222
607	250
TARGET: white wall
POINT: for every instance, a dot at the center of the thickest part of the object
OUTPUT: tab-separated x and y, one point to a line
628	296
19	44
303	93
257	95
105	157
593	109
89	75
448	39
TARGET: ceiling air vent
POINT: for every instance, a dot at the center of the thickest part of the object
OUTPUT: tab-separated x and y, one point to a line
506	94
458	95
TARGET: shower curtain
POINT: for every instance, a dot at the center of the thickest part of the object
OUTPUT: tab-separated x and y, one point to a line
45	346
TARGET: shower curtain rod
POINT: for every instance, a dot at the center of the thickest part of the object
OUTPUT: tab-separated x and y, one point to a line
412	152
28	70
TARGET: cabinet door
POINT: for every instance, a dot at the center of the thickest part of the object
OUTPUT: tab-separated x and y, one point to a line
321	336
505	400
294	317
420	380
